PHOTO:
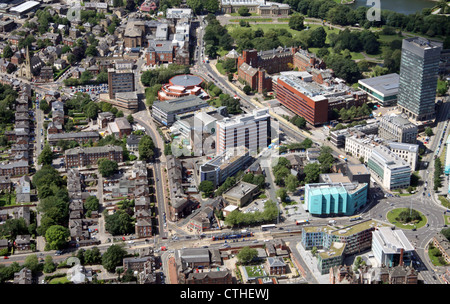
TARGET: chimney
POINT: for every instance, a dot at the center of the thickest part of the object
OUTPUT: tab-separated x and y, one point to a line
401	257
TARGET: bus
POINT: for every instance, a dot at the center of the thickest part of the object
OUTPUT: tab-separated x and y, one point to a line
343	157
355	218
267	227
301	222
232	236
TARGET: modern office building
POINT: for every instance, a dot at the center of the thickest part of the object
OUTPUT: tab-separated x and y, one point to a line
382	89
314	99
251	131
391	247
388	169
409	152
303	98
419	68
361	146
397	128
331	199
218	169
166	111
335	243
121	79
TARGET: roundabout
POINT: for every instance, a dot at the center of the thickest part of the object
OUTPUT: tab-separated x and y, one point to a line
406	218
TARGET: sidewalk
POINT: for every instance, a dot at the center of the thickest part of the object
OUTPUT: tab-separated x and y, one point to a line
311	263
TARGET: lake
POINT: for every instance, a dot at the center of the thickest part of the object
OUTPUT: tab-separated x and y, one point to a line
400	6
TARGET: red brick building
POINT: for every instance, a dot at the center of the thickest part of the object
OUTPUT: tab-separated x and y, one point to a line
303	60
255	78
273	61
314	108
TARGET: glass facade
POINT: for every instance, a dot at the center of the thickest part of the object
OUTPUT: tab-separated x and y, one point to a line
418	77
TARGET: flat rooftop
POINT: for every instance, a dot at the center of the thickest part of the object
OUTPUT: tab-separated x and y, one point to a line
178	104
386	85
241	189
358	169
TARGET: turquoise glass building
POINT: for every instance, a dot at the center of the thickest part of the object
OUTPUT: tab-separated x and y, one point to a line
331	199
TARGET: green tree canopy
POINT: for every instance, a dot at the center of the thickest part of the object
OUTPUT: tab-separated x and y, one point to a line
247	254
107	167
146	148
113	257
46	156
57	236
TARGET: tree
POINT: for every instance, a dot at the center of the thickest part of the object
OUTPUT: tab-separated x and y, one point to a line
146	148
56	236
292	183
91	110
44	106
317	38
7	52
244	11
247	89
311	172
92	256
13	227
282	194
113	257
130	118
195	5
107	167
46	156
429	131
212	6
247	254
49	265
296	22
91	203
207	187
119	223
32	263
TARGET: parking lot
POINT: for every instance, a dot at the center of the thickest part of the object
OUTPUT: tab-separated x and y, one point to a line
92	90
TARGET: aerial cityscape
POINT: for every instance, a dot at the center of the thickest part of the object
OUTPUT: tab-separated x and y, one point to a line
179	142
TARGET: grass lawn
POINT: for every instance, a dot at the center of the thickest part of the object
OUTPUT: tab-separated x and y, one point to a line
220	68
237	14
61	280
4	202
255	271
393	214
253	20
215	102
444	201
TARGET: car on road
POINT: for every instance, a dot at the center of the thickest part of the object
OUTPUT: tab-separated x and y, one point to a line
5	257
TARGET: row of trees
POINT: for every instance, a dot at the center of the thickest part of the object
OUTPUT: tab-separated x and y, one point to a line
54	206
216	36
112	258
161	75
247	38
355	41
353	112
421	22
238	218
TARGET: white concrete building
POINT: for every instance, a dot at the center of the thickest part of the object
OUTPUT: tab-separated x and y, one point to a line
247	130
388	169
391	247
